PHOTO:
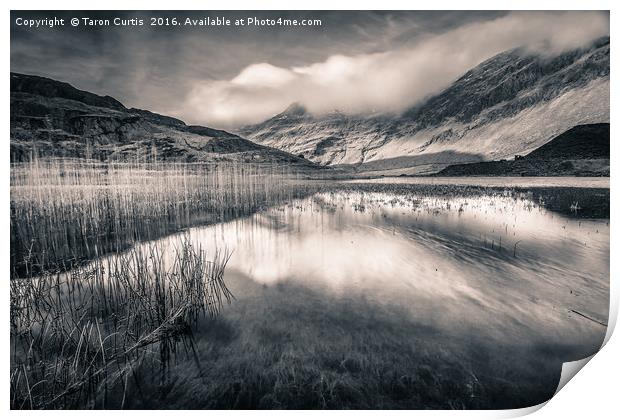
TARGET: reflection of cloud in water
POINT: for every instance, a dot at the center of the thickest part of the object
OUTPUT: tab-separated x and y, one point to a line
422	278
439	258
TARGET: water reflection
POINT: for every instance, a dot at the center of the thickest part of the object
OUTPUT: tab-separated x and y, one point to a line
500	265
400	300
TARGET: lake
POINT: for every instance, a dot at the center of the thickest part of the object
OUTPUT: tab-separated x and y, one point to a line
373	299
403	293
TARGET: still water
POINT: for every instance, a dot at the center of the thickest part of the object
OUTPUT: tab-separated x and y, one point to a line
495	279
500	264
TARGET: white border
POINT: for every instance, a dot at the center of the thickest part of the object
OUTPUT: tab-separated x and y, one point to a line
592	395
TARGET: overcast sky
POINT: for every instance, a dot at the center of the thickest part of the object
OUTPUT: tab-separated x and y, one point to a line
228	76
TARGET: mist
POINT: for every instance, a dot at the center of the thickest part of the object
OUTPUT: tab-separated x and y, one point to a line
384	82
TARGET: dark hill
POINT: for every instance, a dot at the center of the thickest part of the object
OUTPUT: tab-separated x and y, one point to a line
53	119
589	141
50	88
581	151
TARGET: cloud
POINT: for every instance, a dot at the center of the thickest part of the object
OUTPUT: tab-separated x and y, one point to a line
387	81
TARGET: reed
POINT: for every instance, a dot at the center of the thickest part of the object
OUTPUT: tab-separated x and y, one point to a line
77	336
91	302
65	211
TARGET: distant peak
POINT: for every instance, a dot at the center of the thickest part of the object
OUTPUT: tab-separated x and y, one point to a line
294	109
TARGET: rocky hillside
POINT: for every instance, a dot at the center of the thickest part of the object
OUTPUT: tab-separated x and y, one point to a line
54	119
507	105
581	151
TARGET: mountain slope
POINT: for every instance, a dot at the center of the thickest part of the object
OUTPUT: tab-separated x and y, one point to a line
54	119
581	151
507	105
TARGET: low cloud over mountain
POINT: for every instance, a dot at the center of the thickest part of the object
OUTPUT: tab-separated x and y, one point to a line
389	81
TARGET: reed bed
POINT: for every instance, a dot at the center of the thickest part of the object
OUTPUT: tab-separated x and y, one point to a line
79	337
64	212
92	303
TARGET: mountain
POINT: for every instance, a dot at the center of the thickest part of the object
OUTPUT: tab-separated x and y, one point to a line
54	119
330	139
581	151
510	104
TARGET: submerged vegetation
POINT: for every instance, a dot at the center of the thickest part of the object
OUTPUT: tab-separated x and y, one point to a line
308	350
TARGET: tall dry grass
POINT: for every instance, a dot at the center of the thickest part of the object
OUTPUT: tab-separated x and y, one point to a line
89	304
66	211
80	335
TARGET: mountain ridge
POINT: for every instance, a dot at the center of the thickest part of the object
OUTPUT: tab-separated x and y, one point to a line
509	104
